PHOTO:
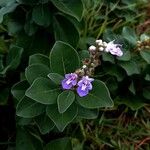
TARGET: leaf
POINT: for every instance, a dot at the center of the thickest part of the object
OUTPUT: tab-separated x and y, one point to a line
130	67
145	54
116	71
13	59
6	8
56	78
27	108
147	77
63	58
146	92
108	57
61	120
44	123
4	95
18	89
64	100
27	141
39	59
132	88
30	27
41	15
97	98
36	70
65	30
73	7
134	102
129	34
84	54
59	144
126	56
87	113
43	91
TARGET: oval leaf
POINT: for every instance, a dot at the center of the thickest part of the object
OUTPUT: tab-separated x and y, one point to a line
59	144
64	100
56	78
145	55
18	90
63	58
43	91
61	120
39	59
87	113
36	70
44	123
130	67
41	15
97	98
64	29
73	8
28	108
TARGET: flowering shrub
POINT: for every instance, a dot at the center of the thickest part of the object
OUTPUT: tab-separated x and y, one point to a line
70	68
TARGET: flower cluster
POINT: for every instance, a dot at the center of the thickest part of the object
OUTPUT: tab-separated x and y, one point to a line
82	85
80	80
111	47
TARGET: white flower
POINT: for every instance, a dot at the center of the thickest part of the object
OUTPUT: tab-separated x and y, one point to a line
114	49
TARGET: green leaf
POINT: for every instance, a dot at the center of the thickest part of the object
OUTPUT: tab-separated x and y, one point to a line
36	70
129	34
30	27
132	88
65	30
126	56
41	15
18	89
27	140
87	113
97	98
43	91
56	78
39	59
133	102
84	54
64	100
63	58
116	71
44	123
147	77
73	7
130	67
27	108
13	59
61	120
4	95
59	144
6	8
108	57
145	54
146	92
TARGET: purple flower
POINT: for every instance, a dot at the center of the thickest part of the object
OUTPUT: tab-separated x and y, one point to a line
114	49
84	85
69	81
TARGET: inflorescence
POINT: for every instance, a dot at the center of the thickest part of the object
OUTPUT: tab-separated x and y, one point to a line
79	80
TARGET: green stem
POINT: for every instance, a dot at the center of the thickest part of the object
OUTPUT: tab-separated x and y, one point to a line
82	129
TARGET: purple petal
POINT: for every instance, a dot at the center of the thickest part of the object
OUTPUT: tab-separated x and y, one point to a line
65	85
82	93
74	82
67	76
90	86
80	83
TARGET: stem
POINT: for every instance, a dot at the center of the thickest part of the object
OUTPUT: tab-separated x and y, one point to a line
82	129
